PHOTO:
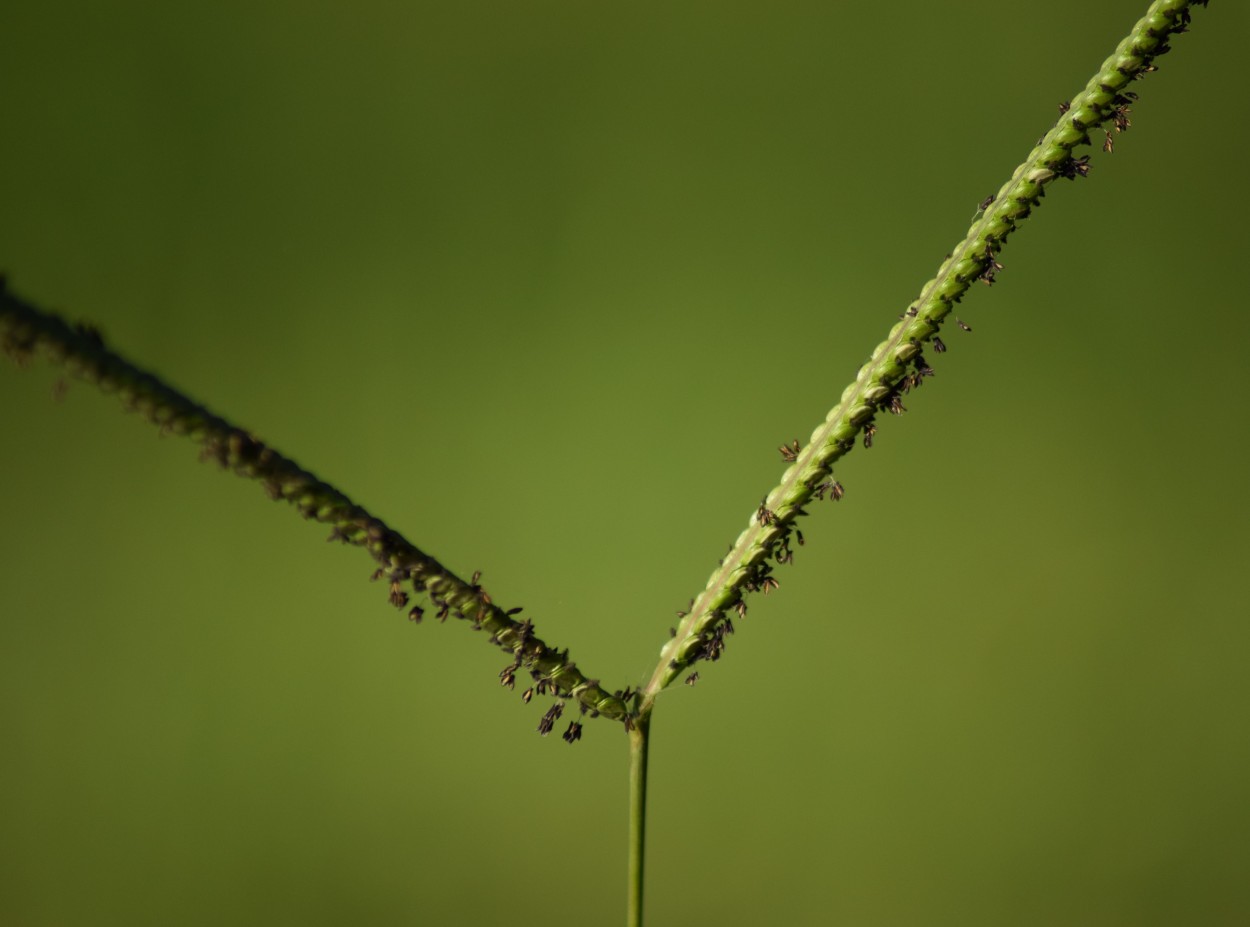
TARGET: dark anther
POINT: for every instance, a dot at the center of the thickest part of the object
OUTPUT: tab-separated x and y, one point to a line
798	536
833	487
782	552
550	718
713	645
869	430
1064	107
574	733
962	324
992	266
376	575
985	203
790	452
1074	167
416	613
761	570
527	695
1108	143
939	345
765	515
741	608
507	675
398	598
443	611
692	679
769	583
515	611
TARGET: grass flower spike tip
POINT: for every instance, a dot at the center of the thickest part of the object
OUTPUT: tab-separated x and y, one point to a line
899	363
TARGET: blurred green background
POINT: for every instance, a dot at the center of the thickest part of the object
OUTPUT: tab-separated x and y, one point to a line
545	285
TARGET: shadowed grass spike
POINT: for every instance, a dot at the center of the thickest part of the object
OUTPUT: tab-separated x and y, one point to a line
26	331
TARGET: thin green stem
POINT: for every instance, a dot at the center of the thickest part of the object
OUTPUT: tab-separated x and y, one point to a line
897	365
639	743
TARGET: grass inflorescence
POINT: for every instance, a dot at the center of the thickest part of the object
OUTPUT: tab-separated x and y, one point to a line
899	364
419	585
896	366
412	576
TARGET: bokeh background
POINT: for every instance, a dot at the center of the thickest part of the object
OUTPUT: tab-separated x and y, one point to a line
545	285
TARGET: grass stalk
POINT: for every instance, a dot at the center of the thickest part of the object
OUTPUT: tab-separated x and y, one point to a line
639	745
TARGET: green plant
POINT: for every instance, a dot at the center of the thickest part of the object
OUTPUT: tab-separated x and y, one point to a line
896	364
